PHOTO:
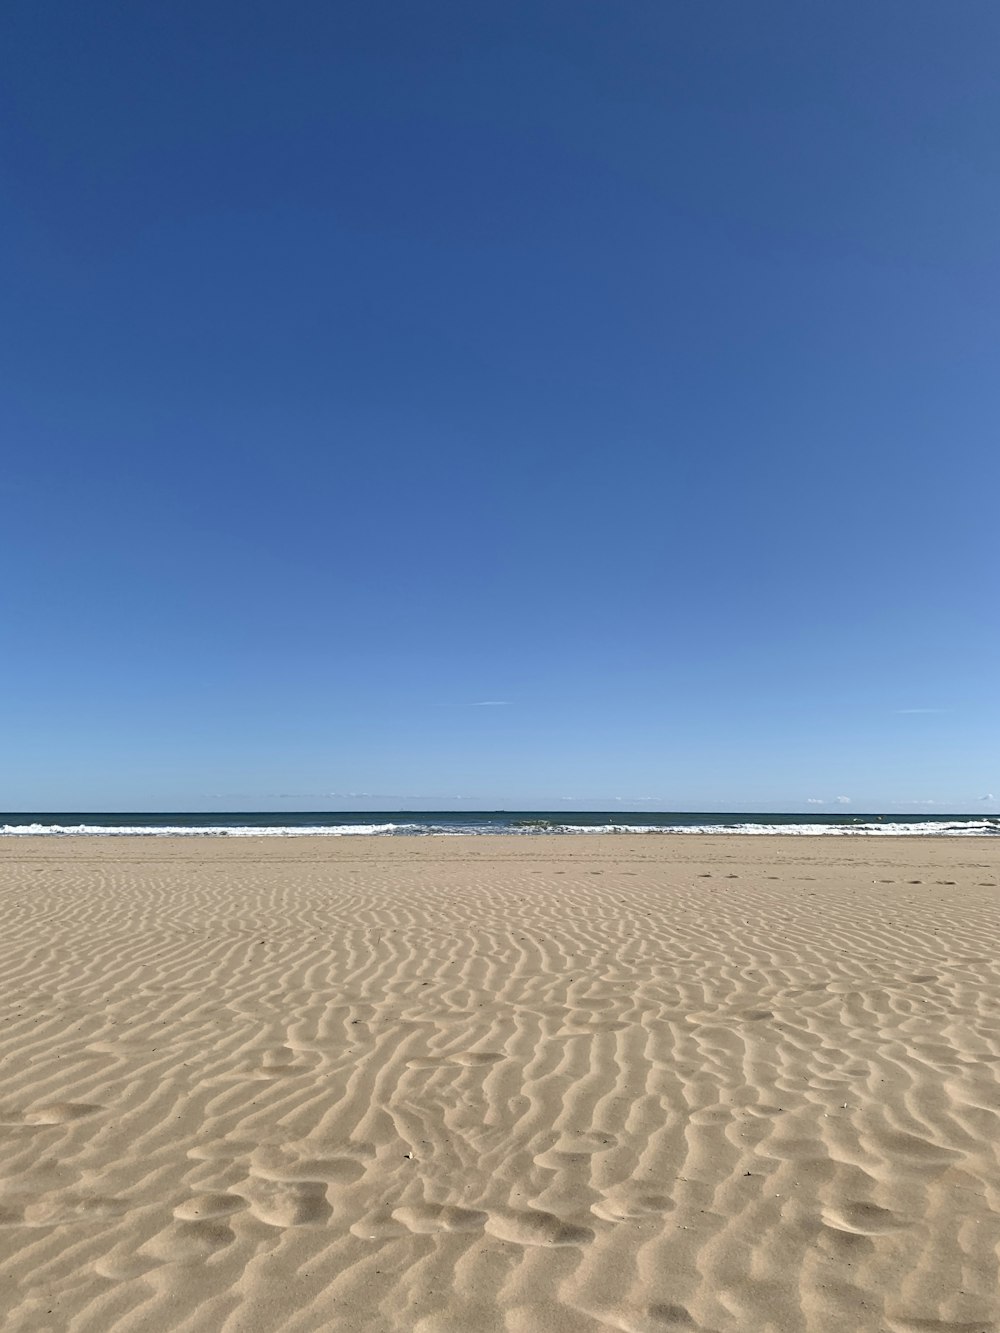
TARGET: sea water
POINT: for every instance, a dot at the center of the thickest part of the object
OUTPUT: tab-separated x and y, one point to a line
527	823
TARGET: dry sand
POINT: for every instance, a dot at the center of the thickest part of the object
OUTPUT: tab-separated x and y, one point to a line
540	1084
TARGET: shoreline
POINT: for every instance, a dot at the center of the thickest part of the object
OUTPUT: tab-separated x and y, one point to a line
677	839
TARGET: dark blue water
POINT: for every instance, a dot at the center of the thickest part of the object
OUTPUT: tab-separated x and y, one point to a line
405	823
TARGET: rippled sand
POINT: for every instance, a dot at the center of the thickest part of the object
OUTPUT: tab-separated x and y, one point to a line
456	1084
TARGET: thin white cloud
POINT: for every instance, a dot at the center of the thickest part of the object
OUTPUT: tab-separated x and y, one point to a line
843	800
369	796
920	710
491	703
329	796
815	800
988	797
922	802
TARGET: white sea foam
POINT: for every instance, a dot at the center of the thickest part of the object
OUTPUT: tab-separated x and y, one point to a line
205	830
886	828
879	828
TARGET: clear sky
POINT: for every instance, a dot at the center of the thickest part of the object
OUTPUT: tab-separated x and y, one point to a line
500	404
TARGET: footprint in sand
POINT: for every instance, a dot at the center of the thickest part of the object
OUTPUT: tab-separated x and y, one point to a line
60	1113
202	1206
288	1183
623	1205
671	1318
420	1219
222	1150
657	1317
380	1224
909	1150
284	1203
72	1209
288	1165
426	1218
535	1227
121	1046
291	1155
283	1060
862	1219
726	1017
120	1266
584	1140
582	1025
574	1150
711	1115
465	1059
275	1063
190	1242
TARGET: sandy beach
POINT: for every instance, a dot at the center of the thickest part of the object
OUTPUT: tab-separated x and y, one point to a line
550	1084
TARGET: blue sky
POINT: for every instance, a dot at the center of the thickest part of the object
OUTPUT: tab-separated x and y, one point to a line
499	404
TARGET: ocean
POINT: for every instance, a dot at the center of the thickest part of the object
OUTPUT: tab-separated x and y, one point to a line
410	823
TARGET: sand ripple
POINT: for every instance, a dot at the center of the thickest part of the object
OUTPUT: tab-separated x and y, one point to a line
605	1083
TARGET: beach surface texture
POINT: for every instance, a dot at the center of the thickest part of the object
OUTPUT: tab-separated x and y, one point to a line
539	1084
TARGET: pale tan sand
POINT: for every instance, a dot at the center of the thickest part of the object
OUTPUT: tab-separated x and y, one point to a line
540	1084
